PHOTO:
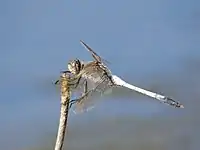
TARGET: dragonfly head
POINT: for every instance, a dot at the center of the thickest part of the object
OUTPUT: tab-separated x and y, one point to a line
75	66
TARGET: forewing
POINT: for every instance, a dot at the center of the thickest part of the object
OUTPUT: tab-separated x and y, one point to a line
98	85
94	54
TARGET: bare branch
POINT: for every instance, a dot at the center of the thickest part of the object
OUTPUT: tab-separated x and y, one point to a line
65	98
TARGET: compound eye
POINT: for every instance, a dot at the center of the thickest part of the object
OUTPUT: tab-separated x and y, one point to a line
73	63
71	66
78	66
74	66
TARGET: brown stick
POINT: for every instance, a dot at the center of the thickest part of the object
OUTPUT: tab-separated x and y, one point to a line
65	98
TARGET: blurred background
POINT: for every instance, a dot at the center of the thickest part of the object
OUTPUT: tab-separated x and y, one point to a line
152	44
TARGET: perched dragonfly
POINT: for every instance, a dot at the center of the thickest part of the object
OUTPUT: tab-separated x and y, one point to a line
97	73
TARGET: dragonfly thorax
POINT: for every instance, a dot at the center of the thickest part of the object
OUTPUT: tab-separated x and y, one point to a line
75	66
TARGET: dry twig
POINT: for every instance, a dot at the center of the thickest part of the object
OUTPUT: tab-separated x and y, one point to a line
65	98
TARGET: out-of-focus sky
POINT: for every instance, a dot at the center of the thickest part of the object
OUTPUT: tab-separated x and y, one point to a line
154	44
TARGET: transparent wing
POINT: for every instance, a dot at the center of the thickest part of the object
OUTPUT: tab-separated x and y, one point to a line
96	87
94	54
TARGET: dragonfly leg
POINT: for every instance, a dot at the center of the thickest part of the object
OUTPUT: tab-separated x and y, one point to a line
77	83
57	82
85	87
71	82
84	94
74	101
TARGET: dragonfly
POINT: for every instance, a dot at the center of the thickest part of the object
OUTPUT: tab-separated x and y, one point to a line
100	76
